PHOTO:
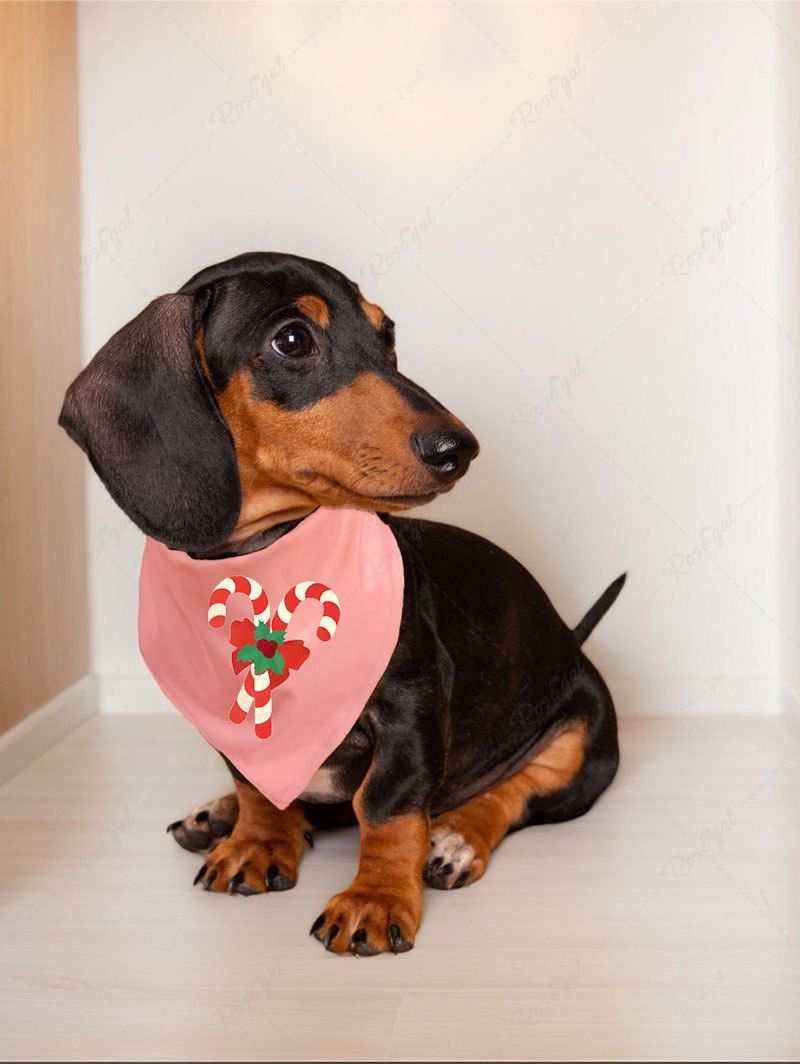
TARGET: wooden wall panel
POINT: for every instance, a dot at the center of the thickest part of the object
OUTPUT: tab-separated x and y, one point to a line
43	553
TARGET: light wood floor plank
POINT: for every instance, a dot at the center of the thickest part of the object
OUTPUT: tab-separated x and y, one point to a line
664	924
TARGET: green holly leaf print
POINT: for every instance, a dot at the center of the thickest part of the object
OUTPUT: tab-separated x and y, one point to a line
261	664
276	664
253	656
263	631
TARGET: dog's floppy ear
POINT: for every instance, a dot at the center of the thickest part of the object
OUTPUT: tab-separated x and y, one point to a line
145	415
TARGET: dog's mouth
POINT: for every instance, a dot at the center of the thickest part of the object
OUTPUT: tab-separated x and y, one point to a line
438	468
442	455
347	495
407	500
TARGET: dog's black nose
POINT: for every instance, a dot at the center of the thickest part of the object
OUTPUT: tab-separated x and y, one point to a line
448	451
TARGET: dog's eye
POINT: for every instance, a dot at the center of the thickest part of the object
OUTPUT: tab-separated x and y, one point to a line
293	341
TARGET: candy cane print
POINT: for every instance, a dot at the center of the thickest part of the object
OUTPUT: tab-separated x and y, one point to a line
255	689
243	585
258	686
310	589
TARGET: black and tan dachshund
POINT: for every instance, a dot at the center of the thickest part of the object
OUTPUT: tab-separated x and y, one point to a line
224	414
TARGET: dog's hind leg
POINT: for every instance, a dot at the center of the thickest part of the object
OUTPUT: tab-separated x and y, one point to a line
552	786
206	825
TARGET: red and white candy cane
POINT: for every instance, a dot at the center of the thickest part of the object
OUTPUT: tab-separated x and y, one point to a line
255	691
254	694
310	589
231	585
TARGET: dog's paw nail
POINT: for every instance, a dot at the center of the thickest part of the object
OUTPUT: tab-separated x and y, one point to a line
320	920
398	944
435	863
210	880
359	944
200	875
235	882
462	879
175	824
201	817
331	935
309	839
277	881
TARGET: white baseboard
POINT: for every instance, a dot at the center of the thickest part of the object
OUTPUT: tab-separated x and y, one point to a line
789	703
131	696
634	696
44	727
790	707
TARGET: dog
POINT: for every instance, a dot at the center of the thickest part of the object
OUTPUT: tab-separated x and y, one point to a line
222	416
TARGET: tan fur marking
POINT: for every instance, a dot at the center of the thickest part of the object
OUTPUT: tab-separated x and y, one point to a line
315	309
387	888
346	449
263	836
485	820
200	347
374	313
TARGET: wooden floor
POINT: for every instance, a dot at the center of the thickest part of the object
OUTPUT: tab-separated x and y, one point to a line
662	925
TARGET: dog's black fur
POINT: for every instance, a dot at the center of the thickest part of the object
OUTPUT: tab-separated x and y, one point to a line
485	671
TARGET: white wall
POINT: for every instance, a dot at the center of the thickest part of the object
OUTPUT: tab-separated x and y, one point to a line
568	210
788	213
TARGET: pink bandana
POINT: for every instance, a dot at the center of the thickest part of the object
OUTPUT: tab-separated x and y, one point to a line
273	655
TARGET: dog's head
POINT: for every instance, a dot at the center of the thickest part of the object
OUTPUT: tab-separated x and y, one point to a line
267	386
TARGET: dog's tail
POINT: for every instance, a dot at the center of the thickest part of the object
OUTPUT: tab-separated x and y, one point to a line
584	628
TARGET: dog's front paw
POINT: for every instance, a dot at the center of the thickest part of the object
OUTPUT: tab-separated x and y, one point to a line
206	825
366	922
458	856
244	864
